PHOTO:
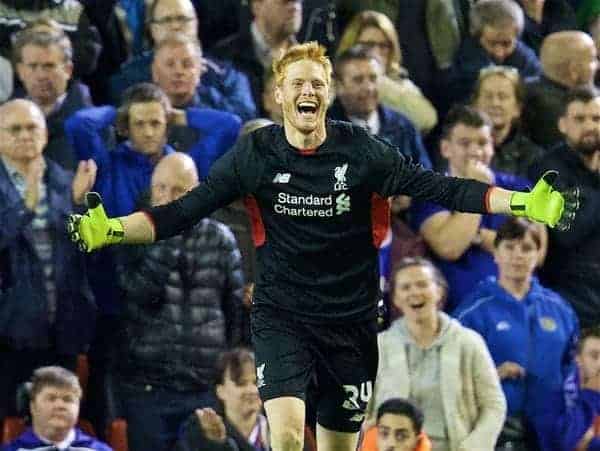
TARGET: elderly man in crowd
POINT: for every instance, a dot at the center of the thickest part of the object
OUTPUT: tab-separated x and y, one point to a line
46	310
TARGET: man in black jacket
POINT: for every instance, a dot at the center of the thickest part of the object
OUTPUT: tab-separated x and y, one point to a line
357	100
569	60
318	197
274	28
70	16
572	265
182	308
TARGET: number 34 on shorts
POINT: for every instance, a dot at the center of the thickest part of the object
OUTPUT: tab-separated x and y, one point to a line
357	397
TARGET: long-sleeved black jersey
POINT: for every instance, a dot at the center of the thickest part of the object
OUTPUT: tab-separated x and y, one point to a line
316	214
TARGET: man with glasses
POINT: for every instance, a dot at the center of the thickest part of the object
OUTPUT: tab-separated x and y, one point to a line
220	86
43	62
274	28
46	311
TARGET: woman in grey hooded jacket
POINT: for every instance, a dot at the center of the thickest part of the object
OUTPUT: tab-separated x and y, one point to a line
442	367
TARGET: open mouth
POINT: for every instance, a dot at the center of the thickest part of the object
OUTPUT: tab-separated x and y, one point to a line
417	306
307	109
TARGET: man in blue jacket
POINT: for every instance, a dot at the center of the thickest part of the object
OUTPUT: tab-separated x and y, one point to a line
144	119
124	173
221	86
46	310
571	416
530	330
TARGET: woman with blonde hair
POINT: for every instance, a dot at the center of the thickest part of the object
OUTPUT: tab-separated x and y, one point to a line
396	91
442	367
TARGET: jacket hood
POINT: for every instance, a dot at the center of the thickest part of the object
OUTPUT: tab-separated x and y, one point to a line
448	330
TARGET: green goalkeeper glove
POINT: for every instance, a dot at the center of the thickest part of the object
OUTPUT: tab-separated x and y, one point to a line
94	229
546	205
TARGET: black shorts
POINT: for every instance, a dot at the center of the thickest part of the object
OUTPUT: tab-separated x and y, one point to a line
342	357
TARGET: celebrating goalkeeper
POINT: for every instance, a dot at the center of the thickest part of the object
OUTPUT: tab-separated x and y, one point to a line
317	192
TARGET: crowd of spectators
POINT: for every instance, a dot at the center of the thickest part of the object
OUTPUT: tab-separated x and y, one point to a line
480	343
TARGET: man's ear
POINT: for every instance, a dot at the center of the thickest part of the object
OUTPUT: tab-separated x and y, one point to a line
122	121
69	68
445	148
562	126
219	391
19	67
278	95
153	71
254	5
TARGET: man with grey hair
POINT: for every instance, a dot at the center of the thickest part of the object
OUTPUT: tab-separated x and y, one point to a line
46	310
496	27
220	87
43	62
569	60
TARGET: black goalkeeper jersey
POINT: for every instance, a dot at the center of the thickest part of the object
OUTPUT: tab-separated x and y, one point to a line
316	215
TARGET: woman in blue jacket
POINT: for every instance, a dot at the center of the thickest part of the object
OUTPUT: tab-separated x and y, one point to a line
529	329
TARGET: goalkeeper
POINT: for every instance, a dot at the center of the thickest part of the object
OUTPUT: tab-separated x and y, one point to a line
317	193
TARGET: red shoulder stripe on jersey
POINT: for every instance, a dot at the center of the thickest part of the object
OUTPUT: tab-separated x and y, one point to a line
486	199
258	228
380	218
151	221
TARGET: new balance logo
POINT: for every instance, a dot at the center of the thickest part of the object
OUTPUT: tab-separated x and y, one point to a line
342	204
282	177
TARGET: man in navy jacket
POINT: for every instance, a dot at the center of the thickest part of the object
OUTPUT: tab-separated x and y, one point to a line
357	101
571	414
46	311
44	65
144	118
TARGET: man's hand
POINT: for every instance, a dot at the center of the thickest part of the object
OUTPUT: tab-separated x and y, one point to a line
511	370
212	424
177	116
33	177
94	229
589	381
84	180
546	205
477	170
